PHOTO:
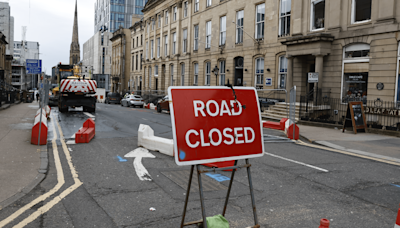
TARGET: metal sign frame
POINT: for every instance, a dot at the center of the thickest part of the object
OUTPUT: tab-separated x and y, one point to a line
214	159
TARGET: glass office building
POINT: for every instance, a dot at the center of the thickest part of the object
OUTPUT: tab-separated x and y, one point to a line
110	14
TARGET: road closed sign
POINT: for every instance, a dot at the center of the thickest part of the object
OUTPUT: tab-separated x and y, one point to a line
214	124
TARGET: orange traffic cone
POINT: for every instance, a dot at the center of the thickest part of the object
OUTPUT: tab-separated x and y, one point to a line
324	223
397	225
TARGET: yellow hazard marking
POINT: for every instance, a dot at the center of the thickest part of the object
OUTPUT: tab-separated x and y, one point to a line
58	198
60	183
348	153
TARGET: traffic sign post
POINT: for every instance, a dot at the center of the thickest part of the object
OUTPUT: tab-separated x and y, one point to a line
214	124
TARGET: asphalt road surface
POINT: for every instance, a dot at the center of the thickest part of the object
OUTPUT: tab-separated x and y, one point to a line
295	185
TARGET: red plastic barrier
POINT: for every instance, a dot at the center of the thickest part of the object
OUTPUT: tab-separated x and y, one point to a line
282	123
289	131
397	220
43	129
221	164
324	223
86	133
272	125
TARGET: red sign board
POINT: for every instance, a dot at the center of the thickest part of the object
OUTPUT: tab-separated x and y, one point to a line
210	125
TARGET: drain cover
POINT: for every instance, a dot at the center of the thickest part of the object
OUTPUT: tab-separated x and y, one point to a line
181	178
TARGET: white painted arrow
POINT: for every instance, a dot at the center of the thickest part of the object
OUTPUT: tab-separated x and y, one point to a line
138	154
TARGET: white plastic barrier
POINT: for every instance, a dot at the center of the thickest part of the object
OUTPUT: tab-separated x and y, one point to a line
147	140
48	110
39	129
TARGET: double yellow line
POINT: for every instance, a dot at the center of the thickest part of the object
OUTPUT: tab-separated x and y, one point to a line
60	183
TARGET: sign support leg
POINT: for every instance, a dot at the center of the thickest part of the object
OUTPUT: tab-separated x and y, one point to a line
252	193
187	196
203	211
229	189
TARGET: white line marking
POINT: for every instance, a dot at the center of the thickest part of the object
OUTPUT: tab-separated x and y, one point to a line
73	136
138	154
297	162
144	119
90	115
60	183
62	195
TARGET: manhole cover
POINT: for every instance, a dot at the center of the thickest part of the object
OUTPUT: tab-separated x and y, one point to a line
181	178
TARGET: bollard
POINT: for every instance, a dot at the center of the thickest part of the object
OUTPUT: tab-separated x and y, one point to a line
324	223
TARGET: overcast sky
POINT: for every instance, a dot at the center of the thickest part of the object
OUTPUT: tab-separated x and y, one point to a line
50	23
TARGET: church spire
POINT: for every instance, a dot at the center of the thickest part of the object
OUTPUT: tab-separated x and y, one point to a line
74	53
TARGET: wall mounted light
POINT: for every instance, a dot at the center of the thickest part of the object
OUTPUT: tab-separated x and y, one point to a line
268	70
245	69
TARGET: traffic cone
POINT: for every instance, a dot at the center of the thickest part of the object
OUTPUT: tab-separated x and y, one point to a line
397	225
324	223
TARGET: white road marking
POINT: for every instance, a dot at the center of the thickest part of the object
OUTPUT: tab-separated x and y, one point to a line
60	183
71	142
73	136
90	115
138	154
144	119
62	195
297	162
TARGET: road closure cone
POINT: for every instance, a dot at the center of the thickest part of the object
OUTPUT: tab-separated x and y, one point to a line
324	223
397	225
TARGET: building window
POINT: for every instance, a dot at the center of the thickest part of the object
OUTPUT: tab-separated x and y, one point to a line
196	5
159	21
185	7
184	41
260	17
239	26
137	62
172	75
222	32
259	71
133	43
208	73
149	85
174	43
196	38
284	17
282	72
355	72
141	39
222	73
147	50
141	56
165	45
137	41
182	74
317	14
196	74
361	11
208	34
158	47
397	86
156	71
133	61
153	23
175	12
166	17
151	49
208	3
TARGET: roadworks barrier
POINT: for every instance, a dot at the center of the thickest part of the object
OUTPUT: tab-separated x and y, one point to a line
397	225
150	106
39	128
324	223
289	128
86	133
147	140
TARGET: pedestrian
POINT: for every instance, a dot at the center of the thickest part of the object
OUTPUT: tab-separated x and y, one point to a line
37	96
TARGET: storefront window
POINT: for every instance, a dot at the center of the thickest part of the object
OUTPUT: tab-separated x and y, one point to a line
355	73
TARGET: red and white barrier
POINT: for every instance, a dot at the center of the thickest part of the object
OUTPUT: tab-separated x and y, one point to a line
289	128
324	223
39	125
147	140
397	225
48	110
150	106
86	133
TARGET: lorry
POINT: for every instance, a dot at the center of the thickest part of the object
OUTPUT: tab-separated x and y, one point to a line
74	90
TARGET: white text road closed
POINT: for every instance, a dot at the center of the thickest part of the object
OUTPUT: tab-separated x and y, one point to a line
212	124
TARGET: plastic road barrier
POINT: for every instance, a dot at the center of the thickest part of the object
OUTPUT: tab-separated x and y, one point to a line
147	140
86	133
289	128
39	128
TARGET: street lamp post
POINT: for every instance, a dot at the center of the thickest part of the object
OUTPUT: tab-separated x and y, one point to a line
215	71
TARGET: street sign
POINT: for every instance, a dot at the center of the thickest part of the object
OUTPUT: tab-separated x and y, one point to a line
268	81
33	66
312	77
214	124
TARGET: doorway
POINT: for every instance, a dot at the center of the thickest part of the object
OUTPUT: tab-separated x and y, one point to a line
238	71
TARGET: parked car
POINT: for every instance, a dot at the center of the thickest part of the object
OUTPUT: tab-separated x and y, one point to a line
132	100
113	98
163	104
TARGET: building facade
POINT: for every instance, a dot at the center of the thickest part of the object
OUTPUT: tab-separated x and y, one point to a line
110	14
24	50
136	51
7	26
353	45
120	60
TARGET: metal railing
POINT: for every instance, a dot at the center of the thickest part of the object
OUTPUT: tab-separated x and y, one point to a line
269	97
379	114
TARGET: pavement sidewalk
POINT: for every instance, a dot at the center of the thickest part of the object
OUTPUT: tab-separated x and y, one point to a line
20	161
366	144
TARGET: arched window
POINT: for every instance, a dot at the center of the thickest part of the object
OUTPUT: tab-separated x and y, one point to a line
182	74
150	77
207	78
355	72
195	73
259	65
222	67
282	72
172	75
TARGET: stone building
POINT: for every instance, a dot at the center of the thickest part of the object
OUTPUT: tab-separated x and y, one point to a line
120	60
353	45
136	55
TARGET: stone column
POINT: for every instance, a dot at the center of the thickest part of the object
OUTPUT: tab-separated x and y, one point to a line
319	68
289	77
